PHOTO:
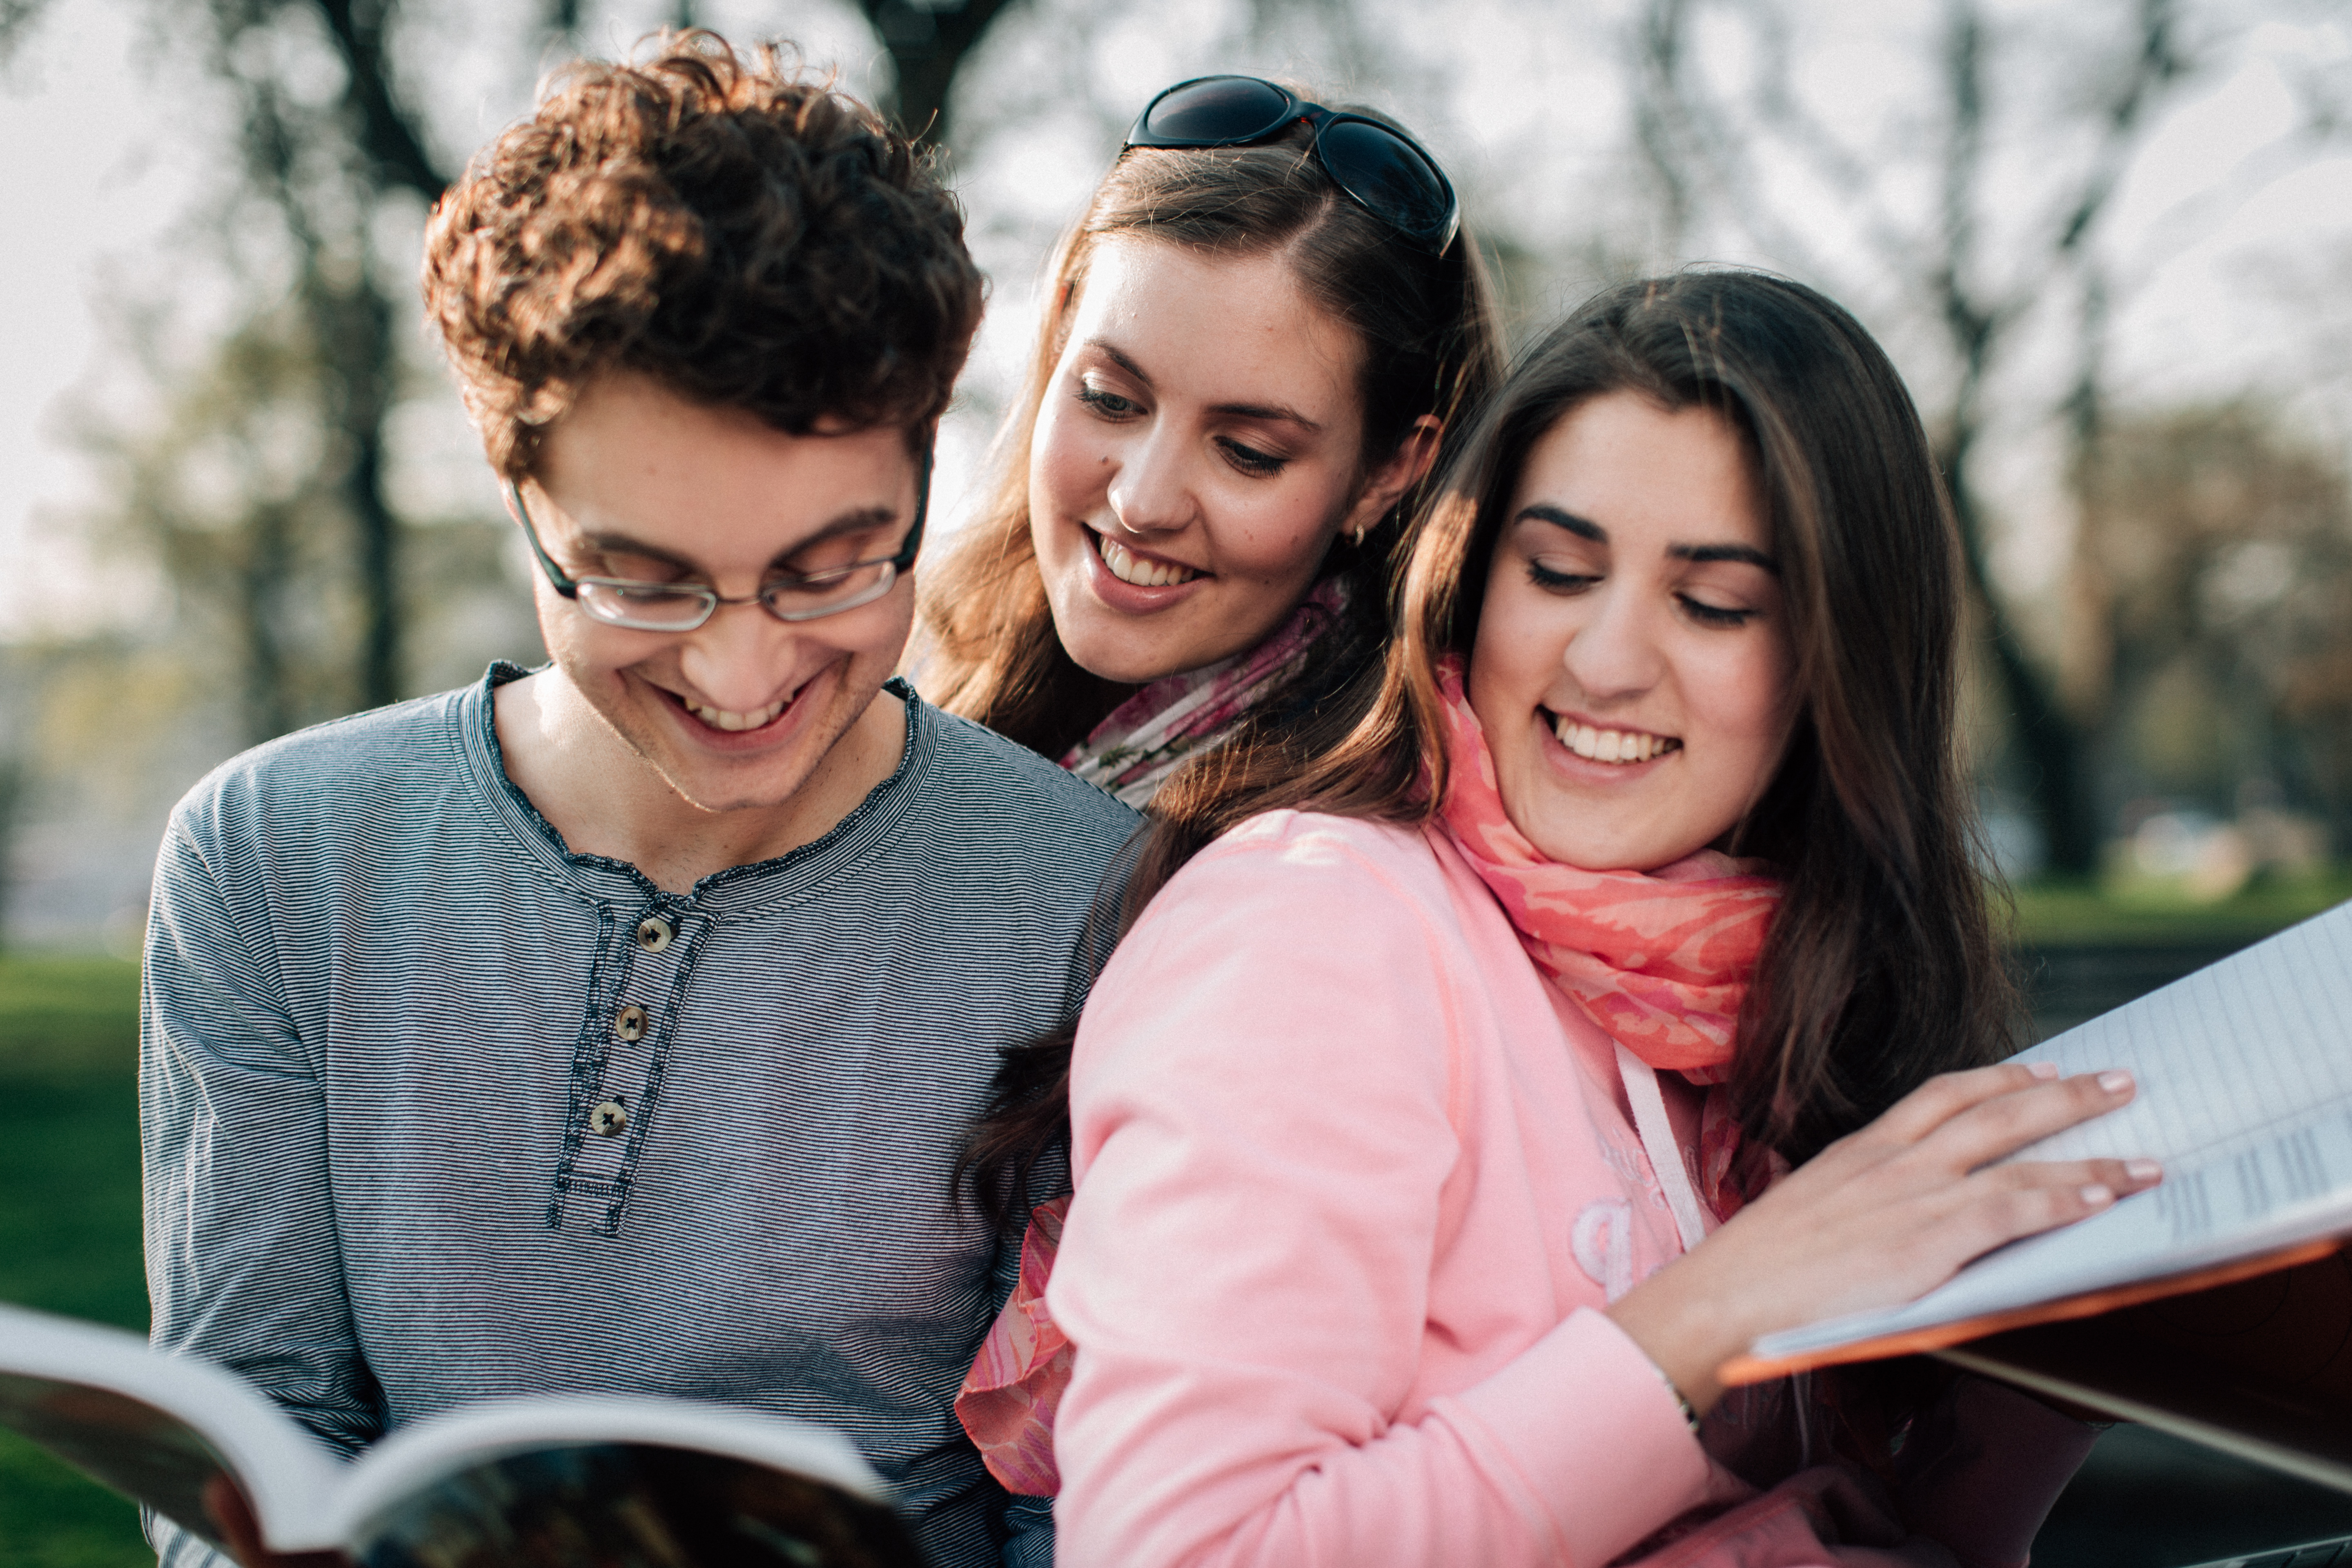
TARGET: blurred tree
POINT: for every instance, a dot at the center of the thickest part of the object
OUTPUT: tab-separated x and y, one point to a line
15	787
16	17
2215	563
326	165
927	42
1706	147
233	498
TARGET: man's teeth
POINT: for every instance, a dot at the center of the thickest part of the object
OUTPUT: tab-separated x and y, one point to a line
725	719
1613	745
1128	567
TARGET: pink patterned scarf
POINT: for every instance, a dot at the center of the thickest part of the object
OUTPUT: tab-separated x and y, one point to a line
1147	737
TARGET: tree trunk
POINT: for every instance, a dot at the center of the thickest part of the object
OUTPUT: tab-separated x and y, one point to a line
927	45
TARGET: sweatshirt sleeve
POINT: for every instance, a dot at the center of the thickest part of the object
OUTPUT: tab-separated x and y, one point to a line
1266	1125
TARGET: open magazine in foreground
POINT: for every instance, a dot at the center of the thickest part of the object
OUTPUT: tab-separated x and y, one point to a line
2217	1304
624	1483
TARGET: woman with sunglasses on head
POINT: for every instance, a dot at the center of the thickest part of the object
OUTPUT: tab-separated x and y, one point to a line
1432	1125
1257	343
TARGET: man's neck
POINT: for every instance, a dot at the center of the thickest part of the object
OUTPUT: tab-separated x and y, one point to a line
605	800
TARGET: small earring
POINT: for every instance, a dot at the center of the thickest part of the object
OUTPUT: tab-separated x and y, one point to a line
1361	529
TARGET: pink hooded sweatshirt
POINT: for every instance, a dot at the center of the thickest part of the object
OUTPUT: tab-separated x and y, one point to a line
1354	1183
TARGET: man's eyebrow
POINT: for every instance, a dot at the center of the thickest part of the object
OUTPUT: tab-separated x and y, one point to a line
858	519
1275	411
1742	553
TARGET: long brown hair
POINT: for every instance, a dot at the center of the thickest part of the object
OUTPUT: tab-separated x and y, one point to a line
1430	345
1881	969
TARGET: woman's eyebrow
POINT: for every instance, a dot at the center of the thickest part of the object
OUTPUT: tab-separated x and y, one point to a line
1277	411
1119	357
1266	411
1582	527
1742	553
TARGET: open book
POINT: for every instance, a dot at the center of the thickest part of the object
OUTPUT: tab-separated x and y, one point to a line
2246	1094
651	1482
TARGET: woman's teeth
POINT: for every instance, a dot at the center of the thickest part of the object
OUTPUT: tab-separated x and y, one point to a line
726	719
1128	567
1613	745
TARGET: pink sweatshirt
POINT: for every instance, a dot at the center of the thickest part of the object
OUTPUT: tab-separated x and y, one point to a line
1353	1185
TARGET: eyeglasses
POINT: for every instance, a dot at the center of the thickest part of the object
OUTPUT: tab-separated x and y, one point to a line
682	607
1385	172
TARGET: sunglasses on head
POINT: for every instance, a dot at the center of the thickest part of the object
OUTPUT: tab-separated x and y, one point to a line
1381	168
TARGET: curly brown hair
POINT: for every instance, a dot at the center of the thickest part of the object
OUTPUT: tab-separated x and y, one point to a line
733	229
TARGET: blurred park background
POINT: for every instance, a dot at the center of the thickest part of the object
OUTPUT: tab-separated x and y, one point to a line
2108	241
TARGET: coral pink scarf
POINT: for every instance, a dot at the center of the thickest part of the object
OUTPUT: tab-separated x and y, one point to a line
1659	960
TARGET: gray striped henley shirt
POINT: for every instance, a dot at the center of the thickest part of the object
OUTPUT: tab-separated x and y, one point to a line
437	1111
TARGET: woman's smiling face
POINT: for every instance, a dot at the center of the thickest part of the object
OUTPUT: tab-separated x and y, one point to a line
1197	449
1632	669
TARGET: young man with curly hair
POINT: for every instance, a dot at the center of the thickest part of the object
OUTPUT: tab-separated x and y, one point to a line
614	1027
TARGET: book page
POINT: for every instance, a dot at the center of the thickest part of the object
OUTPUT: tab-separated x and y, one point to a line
630	1505
2262	1036
2246	1094
160	1429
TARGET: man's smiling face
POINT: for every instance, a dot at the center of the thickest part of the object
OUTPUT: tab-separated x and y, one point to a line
635	482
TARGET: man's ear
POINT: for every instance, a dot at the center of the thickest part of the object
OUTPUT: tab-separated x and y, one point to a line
1404	467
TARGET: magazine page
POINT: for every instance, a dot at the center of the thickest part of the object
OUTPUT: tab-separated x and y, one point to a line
2245	1093
159	1429
625	1483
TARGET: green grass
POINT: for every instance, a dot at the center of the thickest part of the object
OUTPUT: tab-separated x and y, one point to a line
2059	913
68	1221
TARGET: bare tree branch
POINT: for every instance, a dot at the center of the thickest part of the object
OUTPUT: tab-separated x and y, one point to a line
17	20
927	45
386	130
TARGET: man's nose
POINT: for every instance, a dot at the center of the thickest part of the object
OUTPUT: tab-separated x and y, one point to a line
737	658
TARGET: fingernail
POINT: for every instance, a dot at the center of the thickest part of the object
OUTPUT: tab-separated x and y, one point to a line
2143	1170
2097	1196
2115	1081
2042	1070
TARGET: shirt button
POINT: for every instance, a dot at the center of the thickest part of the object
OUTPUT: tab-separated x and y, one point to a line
609	1118
654	934
629	1024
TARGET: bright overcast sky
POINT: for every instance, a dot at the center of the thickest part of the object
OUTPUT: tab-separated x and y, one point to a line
2244	288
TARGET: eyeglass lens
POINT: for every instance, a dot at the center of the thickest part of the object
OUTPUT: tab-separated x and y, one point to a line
676	609
1222	108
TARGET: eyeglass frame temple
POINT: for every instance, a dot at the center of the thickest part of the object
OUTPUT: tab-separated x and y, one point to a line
568	586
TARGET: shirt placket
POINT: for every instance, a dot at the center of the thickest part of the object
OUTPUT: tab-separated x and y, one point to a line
634	1001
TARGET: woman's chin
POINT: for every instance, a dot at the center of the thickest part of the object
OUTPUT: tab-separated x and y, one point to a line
1585	834
1115	649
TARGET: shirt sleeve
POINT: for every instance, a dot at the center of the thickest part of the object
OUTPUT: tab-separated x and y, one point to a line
1264	1129
243	1262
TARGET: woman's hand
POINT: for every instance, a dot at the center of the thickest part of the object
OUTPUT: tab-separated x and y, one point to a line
1882	1216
